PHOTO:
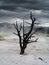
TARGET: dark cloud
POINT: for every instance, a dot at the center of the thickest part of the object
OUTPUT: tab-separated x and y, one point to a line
30	4
7	7
10	16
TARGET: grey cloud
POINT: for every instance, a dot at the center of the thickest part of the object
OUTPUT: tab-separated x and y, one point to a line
10	16
33	4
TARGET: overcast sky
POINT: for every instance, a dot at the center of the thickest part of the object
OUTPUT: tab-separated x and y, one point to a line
12	9
30	4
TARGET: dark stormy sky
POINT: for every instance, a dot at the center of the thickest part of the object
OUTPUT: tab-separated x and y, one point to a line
10	10
31	4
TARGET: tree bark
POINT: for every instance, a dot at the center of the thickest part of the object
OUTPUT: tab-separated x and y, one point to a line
22	50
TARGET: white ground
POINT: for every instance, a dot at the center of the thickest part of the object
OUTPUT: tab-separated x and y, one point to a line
9	53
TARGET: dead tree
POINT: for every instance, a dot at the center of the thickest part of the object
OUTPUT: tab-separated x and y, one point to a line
26	36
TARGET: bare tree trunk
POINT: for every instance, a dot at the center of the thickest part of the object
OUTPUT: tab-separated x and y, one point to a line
22	50
22	47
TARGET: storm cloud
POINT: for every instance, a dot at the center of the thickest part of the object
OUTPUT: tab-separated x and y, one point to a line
12	9
10	16
30	4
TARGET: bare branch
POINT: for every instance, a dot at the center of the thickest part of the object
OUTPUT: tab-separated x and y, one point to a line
20	26
33	41
30	42
15	33
37	23
25	34
31	35
36	39
28	34
16	26
27	22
